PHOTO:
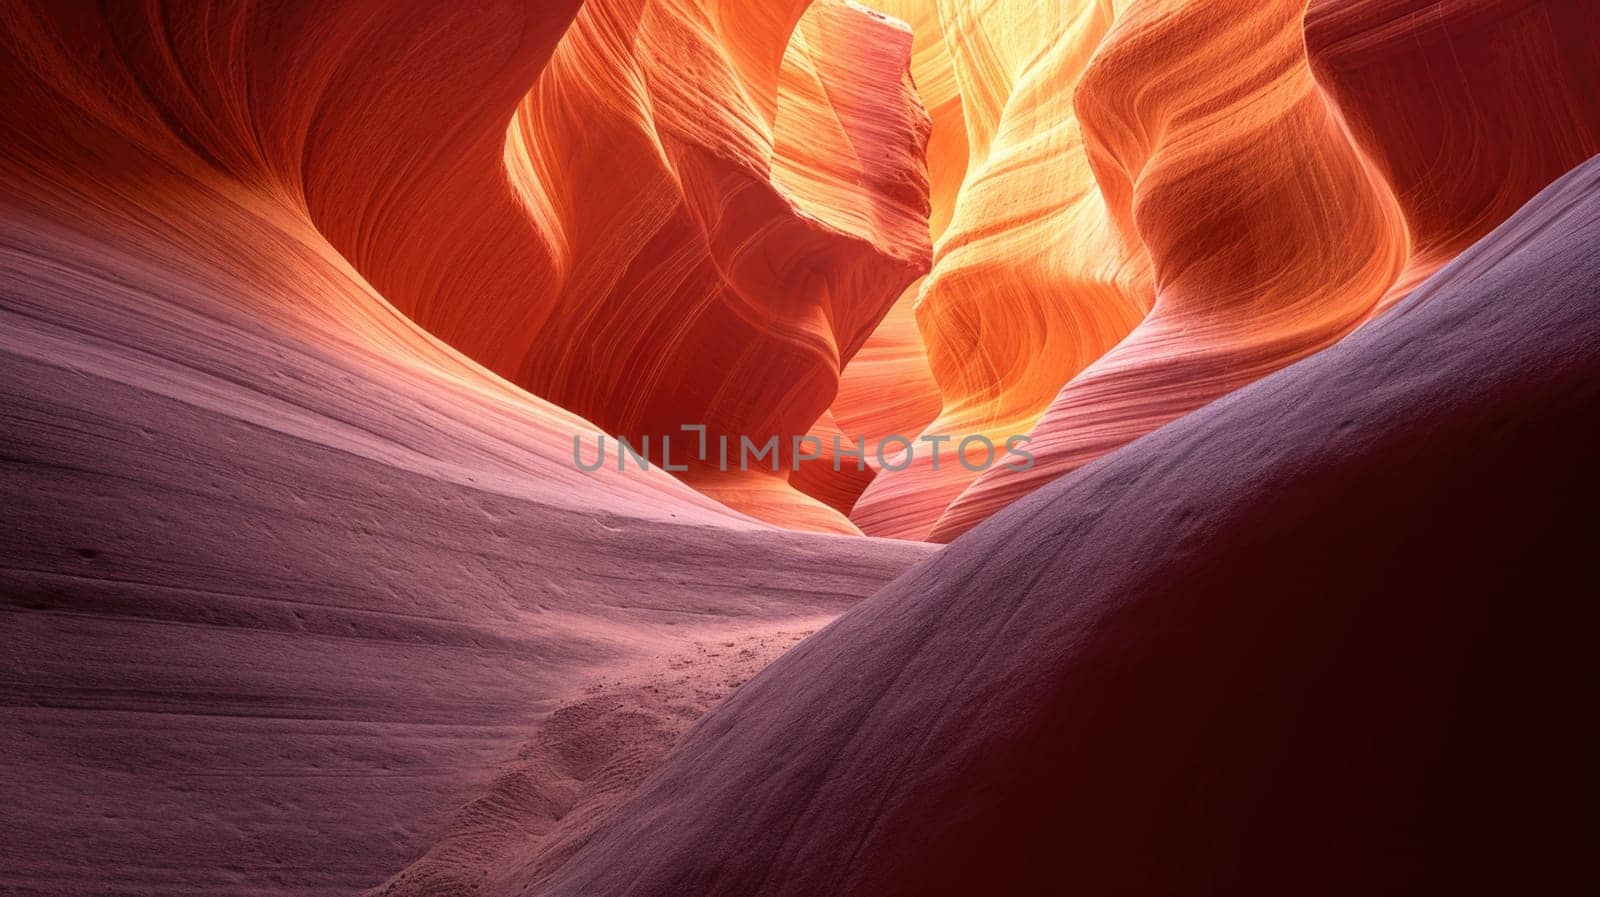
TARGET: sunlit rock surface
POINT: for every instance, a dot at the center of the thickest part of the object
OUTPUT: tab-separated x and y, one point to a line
1329	204
888	388
1030	280
759	202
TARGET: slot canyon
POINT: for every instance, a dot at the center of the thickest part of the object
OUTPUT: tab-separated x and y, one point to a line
798	448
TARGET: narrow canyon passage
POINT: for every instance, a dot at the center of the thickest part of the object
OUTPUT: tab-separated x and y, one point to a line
1245	356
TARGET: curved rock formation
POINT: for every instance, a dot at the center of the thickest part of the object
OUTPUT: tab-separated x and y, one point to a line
1171	654
1030	282
1468	108
888	388
1269	235
759	203
302	592
285	578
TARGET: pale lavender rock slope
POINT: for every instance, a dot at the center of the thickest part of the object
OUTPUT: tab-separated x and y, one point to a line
279	593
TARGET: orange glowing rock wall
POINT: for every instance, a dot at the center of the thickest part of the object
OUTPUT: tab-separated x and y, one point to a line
1269	236
1164	200
697	215
187	179
889	388
733	195
1072	220
1030	281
